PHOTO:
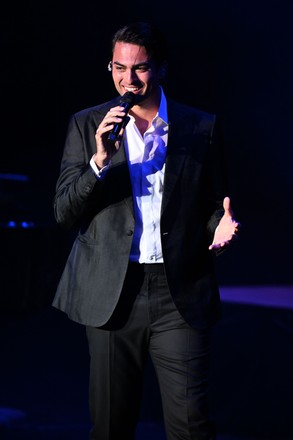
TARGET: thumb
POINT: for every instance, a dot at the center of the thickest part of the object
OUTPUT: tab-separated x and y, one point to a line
227	206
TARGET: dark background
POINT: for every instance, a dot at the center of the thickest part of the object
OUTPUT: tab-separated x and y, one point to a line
233	58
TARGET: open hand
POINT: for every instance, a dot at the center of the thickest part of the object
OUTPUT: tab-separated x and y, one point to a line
227	229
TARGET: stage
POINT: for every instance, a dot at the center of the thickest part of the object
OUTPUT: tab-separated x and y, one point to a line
44	369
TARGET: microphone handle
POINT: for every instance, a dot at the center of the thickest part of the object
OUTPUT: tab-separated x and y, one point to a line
114	133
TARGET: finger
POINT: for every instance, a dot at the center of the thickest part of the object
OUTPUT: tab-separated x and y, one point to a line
226	203
218	245
227	206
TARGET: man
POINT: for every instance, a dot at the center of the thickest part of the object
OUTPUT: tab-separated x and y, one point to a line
150	207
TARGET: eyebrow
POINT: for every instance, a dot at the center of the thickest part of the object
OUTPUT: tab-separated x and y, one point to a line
135	66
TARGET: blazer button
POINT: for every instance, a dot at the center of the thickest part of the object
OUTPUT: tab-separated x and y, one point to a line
129	233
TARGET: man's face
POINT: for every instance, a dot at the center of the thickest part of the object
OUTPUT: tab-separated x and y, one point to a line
133	71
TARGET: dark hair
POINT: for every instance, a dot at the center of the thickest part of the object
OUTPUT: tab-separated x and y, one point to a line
147	35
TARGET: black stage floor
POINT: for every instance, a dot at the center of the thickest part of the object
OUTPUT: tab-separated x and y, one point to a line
44	372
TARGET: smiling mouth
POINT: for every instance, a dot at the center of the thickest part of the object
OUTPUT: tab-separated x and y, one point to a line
132	89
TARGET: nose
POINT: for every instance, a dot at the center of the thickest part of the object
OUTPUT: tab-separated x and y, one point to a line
130	75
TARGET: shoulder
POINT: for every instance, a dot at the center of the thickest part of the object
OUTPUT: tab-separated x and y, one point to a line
182	111
95	111
187	114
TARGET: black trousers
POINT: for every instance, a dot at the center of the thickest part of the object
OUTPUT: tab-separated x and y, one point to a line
147	321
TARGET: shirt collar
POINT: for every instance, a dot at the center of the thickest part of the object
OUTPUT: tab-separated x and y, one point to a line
161	118
162	113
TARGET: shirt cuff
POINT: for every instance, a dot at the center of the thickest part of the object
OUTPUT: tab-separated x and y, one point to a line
99	173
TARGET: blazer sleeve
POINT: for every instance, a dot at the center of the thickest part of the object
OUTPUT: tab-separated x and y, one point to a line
76	182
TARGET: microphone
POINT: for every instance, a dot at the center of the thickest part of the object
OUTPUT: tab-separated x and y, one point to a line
127	101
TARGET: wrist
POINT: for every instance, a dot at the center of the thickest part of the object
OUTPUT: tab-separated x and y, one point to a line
100	162
99	172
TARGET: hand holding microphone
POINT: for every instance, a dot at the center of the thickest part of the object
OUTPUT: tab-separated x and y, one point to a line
105	139
127	101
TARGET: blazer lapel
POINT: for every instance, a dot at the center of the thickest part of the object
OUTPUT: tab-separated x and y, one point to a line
175	158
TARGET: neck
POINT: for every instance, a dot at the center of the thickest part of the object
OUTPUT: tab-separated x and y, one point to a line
145	111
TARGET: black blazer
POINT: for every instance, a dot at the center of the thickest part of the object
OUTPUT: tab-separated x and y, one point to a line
193	193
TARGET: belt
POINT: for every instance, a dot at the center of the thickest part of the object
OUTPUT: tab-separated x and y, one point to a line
147	267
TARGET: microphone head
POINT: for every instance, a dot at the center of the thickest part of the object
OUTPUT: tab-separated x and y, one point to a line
128	98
